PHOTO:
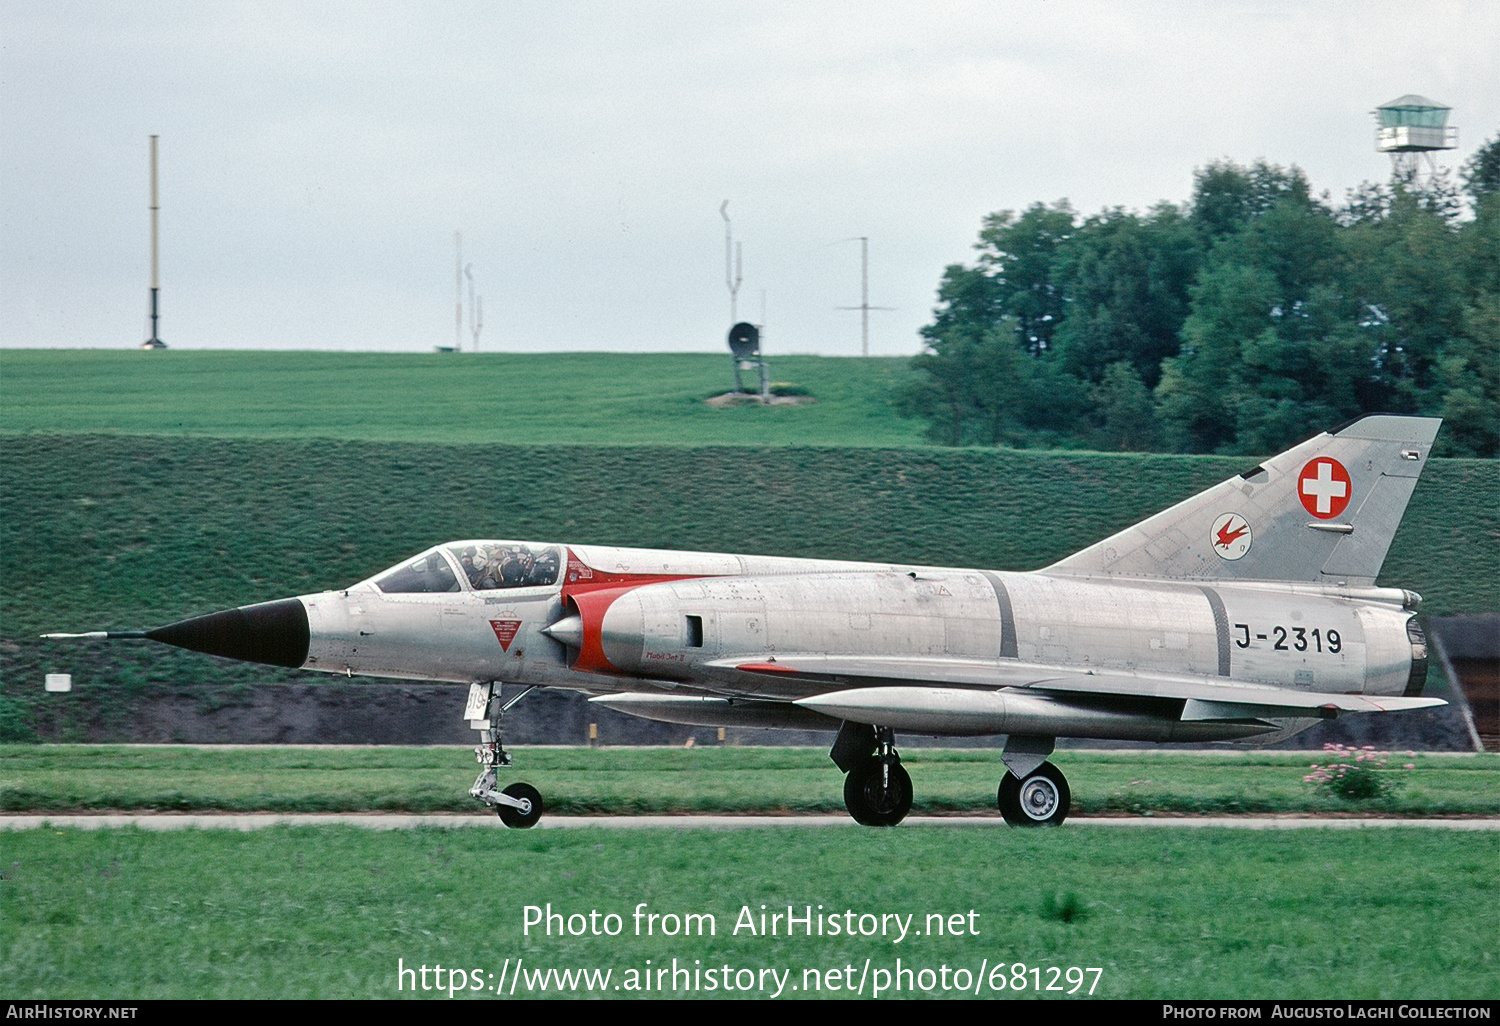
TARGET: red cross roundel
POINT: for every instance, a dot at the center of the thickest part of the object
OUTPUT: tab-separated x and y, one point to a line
1324	487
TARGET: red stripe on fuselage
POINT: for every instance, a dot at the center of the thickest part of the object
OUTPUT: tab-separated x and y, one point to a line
581	578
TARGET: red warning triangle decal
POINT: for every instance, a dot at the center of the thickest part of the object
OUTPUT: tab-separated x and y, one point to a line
505	631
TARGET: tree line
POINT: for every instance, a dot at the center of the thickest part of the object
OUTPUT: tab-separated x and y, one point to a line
1242	321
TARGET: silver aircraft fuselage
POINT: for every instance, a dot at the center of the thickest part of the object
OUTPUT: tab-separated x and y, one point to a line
643	621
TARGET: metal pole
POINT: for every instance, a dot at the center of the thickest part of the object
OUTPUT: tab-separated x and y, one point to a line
155	240
864	306
864	295
732	268
476	308
765	368
458	289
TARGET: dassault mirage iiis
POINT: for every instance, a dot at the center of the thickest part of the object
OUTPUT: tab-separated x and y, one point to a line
1247	612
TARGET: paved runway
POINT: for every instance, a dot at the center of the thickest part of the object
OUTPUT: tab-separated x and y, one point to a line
257	821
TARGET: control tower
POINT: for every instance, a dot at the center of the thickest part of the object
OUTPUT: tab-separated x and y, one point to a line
1412	127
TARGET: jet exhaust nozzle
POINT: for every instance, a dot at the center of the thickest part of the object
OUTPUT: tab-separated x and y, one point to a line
275	633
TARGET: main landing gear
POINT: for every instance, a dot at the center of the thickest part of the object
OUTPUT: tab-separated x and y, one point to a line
518	805
878	792
877	788
1041	799
1033	792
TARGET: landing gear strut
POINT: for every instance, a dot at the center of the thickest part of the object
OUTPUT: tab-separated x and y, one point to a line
519	805
877	788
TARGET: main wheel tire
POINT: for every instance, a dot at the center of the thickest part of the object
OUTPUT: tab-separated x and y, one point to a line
871	800
521	818
1041	799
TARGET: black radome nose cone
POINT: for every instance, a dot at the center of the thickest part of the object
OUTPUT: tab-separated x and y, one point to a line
275	633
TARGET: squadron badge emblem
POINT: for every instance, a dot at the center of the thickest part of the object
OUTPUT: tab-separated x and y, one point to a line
1230	536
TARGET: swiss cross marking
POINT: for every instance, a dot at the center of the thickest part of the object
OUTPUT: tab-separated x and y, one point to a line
1324	487
505	631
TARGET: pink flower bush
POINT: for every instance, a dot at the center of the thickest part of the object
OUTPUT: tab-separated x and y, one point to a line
1354	773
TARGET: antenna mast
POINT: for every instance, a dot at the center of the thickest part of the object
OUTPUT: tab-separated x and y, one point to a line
458	290
154	342
732	269
864	306
476	307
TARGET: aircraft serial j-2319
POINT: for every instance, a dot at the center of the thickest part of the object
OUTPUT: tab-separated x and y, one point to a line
1248	612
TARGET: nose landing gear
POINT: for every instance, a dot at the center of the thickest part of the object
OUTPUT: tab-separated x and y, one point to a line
518	805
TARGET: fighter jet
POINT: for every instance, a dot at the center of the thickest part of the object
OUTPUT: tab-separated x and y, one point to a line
1248	612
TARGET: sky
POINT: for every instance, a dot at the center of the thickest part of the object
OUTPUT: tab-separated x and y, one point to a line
316	159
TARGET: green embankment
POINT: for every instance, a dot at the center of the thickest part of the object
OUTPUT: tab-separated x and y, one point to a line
130	529
1164	913
511	399
616	781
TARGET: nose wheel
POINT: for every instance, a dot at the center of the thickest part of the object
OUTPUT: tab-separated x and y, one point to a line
1041	798
526	811
518	805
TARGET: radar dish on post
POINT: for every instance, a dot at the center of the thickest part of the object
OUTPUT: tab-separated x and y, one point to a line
744	340
744	343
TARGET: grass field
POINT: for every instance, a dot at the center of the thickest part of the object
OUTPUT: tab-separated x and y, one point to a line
332	912
510	399
615	781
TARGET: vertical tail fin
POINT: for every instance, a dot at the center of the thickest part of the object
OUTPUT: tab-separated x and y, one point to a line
1324	511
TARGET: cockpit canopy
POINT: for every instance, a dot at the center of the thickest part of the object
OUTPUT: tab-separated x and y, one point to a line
474	566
